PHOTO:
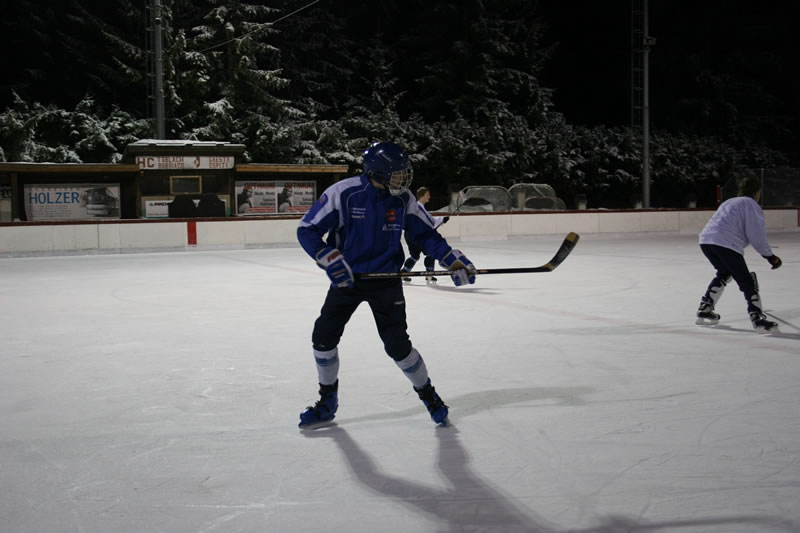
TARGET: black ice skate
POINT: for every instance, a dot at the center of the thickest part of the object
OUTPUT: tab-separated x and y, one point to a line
757	316
762	325
706	315
434	403
325	408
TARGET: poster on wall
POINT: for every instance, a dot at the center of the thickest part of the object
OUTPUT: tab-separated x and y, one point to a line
274	197
72	201
155	208
159	208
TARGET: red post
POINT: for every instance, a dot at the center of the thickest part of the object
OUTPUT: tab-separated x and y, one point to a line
191	232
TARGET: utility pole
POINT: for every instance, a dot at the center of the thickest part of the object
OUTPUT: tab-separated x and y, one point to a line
641	42
158	74
648	42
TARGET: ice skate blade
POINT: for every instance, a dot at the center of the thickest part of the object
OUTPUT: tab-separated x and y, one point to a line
706	321
316	425
761	330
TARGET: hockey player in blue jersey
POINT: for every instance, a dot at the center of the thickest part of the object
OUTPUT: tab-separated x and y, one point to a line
737	223
364	218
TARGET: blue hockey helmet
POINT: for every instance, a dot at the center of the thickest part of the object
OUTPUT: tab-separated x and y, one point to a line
388	164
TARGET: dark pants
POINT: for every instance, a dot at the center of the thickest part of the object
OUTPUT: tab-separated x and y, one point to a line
385	299
730	263
415	251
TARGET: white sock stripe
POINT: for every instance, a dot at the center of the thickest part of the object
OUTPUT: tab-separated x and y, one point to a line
327	365
410	360
329	354
413	366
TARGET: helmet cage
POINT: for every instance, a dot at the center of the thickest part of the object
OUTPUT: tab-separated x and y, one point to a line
400	180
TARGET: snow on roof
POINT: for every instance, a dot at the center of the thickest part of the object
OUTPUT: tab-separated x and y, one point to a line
180	142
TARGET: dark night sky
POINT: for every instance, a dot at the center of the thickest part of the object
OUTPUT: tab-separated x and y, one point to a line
591	66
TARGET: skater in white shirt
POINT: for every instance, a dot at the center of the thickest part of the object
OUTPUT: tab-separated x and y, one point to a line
737	223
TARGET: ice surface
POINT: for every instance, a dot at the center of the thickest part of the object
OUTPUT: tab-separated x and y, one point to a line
161	392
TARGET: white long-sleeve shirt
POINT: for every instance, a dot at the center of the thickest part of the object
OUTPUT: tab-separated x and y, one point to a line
437	220
738	222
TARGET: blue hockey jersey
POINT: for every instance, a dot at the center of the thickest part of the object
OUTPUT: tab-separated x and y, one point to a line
365	223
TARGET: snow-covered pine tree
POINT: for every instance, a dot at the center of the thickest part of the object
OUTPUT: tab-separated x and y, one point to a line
238	80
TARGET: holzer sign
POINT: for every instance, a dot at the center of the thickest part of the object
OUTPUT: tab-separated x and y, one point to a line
71	201
180	162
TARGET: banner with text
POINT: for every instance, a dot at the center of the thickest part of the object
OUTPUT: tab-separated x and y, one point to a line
72	201
180	162
274	197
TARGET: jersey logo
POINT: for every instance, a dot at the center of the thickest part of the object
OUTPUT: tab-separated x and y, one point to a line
323	199
390	216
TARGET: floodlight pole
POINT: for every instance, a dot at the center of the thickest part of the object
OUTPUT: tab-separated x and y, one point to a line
158	64
647	42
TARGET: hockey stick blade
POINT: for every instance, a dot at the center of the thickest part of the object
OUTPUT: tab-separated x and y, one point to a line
563	251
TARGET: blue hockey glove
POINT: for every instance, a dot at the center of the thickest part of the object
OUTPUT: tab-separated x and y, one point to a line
461	269
336	267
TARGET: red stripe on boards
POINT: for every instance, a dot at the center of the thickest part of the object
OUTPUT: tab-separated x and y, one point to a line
191	232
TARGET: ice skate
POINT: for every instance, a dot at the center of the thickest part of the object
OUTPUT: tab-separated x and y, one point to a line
707	318
762	325
324	410
430	279
757	316
436	407
706	315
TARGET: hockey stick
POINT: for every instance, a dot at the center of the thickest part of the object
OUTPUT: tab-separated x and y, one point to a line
563	251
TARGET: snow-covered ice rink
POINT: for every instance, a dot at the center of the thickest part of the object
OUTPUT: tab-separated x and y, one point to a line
160	393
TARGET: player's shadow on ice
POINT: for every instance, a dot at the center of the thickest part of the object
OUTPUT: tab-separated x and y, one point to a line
784	325
475	402
464	502
783	334
468	503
